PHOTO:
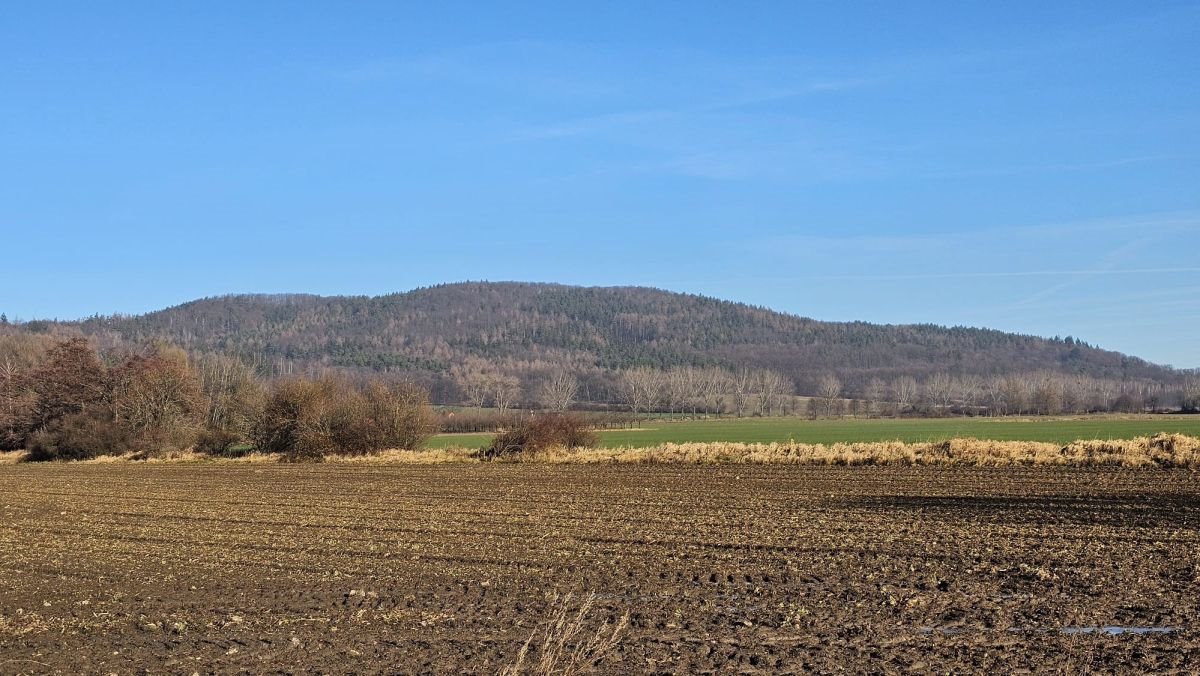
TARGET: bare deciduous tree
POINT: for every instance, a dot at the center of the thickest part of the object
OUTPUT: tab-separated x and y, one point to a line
1047	397
474	378
771	385
1190	399
711	385
829	389
558	390
232	393
503	390
1105	392
70	380
875	393
741	387
969	391
1016	393
158	398
939	392
904	392
680	389
641	388
993	393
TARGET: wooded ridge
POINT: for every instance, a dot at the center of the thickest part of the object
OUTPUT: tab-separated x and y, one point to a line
530	330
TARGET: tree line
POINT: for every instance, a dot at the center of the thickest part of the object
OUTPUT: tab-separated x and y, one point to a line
1035	393
761	392
61	399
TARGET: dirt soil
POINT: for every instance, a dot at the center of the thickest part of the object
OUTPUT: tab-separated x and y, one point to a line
228	568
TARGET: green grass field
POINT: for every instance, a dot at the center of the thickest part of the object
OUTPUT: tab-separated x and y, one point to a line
1057	430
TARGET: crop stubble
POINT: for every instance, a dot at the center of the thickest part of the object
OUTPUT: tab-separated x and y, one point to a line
258	568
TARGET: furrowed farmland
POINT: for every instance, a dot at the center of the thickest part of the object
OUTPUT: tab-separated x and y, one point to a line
670	568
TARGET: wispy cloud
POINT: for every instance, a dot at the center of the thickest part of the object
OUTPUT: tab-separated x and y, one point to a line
1107	265
593	124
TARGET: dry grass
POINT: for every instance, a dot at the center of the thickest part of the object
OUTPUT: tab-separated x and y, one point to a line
12	457
1160	450
399	456
192	456
566	645
107	459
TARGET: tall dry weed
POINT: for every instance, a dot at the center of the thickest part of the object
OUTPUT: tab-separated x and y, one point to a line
566	645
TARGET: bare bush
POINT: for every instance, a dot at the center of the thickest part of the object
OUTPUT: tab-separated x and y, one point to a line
308	419
81	436
398	416
216	442
232	393
291	419
157	398
529	435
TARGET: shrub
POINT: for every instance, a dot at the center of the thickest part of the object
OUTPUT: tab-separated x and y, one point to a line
231	393
216	442
16	412
526	436
70	380
289	417
306	420
158	398
397	416
81	436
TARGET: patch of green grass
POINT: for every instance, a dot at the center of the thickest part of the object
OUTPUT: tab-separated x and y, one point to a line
1055	430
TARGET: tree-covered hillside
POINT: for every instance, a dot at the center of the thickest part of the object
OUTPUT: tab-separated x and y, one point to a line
527	329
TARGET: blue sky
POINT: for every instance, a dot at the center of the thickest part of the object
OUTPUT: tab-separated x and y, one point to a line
1026	166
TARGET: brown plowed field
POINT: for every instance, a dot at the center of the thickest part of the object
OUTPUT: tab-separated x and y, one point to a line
382	568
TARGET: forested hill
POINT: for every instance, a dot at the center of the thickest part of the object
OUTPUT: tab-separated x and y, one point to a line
526	328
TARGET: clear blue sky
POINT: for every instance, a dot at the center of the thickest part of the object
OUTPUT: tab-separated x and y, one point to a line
1028	166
